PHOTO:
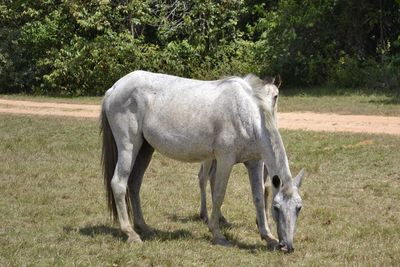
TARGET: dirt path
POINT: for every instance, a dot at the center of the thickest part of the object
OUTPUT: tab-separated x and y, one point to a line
304	120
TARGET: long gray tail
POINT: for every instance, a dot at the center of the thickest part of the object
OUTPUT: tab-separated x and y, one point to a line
109	158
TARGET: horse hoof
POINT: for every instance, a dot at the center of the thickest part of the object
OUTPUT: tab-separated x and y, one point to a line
134	239
222	242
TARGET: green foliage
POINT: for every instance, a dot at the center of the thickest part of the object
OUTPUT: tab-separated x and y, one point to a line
82	47
346	72
86	67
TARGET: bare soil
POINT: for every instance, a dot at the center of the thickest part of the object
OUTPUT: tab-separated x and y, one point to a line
294	120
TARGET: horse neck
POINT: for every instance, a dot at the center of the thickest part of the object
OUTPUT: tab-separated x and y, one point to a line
282	163
275	114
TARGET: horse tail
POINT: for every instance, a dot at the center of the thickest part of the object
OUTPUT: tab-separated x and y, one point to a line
109	157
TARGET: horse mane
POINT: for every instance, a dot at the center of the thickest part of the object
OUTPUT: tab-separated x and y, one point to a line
255	82
259	94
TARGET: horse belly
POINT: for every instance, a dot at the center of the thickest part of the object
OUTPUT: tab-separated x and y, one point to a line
180	144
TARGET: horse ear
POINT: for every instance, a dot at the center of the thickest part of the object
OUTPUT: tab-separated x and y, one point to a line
298	179
269	79
276	181
277	81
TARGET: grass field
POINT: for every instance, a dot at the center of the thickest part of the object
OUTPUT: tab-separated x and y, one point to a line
343	101
53	209
314	101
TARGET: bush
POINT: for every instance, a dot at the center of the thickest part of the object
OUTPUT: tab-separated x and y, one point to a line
346	72
384	76
87	67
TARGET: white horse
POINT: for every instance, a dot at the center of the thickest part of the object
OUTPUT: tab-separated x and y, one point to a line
194	121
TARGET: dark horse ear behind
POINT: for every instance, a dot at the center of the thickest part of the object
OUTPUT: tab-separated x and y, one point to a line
277	81
269	79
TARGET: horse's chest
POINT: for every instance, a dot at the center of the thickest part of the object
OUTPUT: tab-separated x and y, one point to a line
248	151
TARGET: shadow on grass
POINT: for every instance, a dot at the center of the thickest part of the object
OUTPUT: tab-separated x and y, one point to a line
251	248
169	235
96	230
184	219
236	243
196	218
161	235
156	234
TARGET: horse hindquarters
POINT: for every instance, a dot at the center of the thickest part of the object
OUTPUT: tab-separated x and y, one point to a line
120	148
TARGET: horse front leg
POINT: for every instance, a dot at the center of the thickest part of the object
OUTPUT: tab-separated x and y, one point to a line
223	171
267	194
255	170
223	222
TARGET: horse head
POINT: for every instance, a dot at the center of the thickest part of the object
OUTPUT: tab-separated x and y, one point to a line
286	206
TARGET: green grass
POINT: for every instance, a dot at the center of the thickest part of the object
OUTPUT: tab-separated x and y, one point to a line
360	103
53	210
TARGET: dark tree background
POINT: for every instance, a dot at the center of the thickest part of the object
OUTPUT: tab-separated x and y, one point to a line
81	47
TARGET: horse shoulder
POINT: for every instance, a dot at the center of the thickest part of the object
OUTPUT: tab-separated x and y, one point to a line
239	107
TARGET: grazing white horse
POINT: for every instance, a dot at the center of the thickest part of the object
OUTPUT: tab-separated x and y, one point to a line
194	121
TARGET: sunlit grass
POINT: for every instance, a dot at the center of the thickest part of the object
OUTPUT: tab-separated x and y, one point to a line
357	104
53	209
42	98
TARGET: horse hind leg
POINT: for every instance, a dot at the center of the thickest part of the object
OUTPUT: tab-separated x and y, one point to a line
135	181
119	186
128	140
